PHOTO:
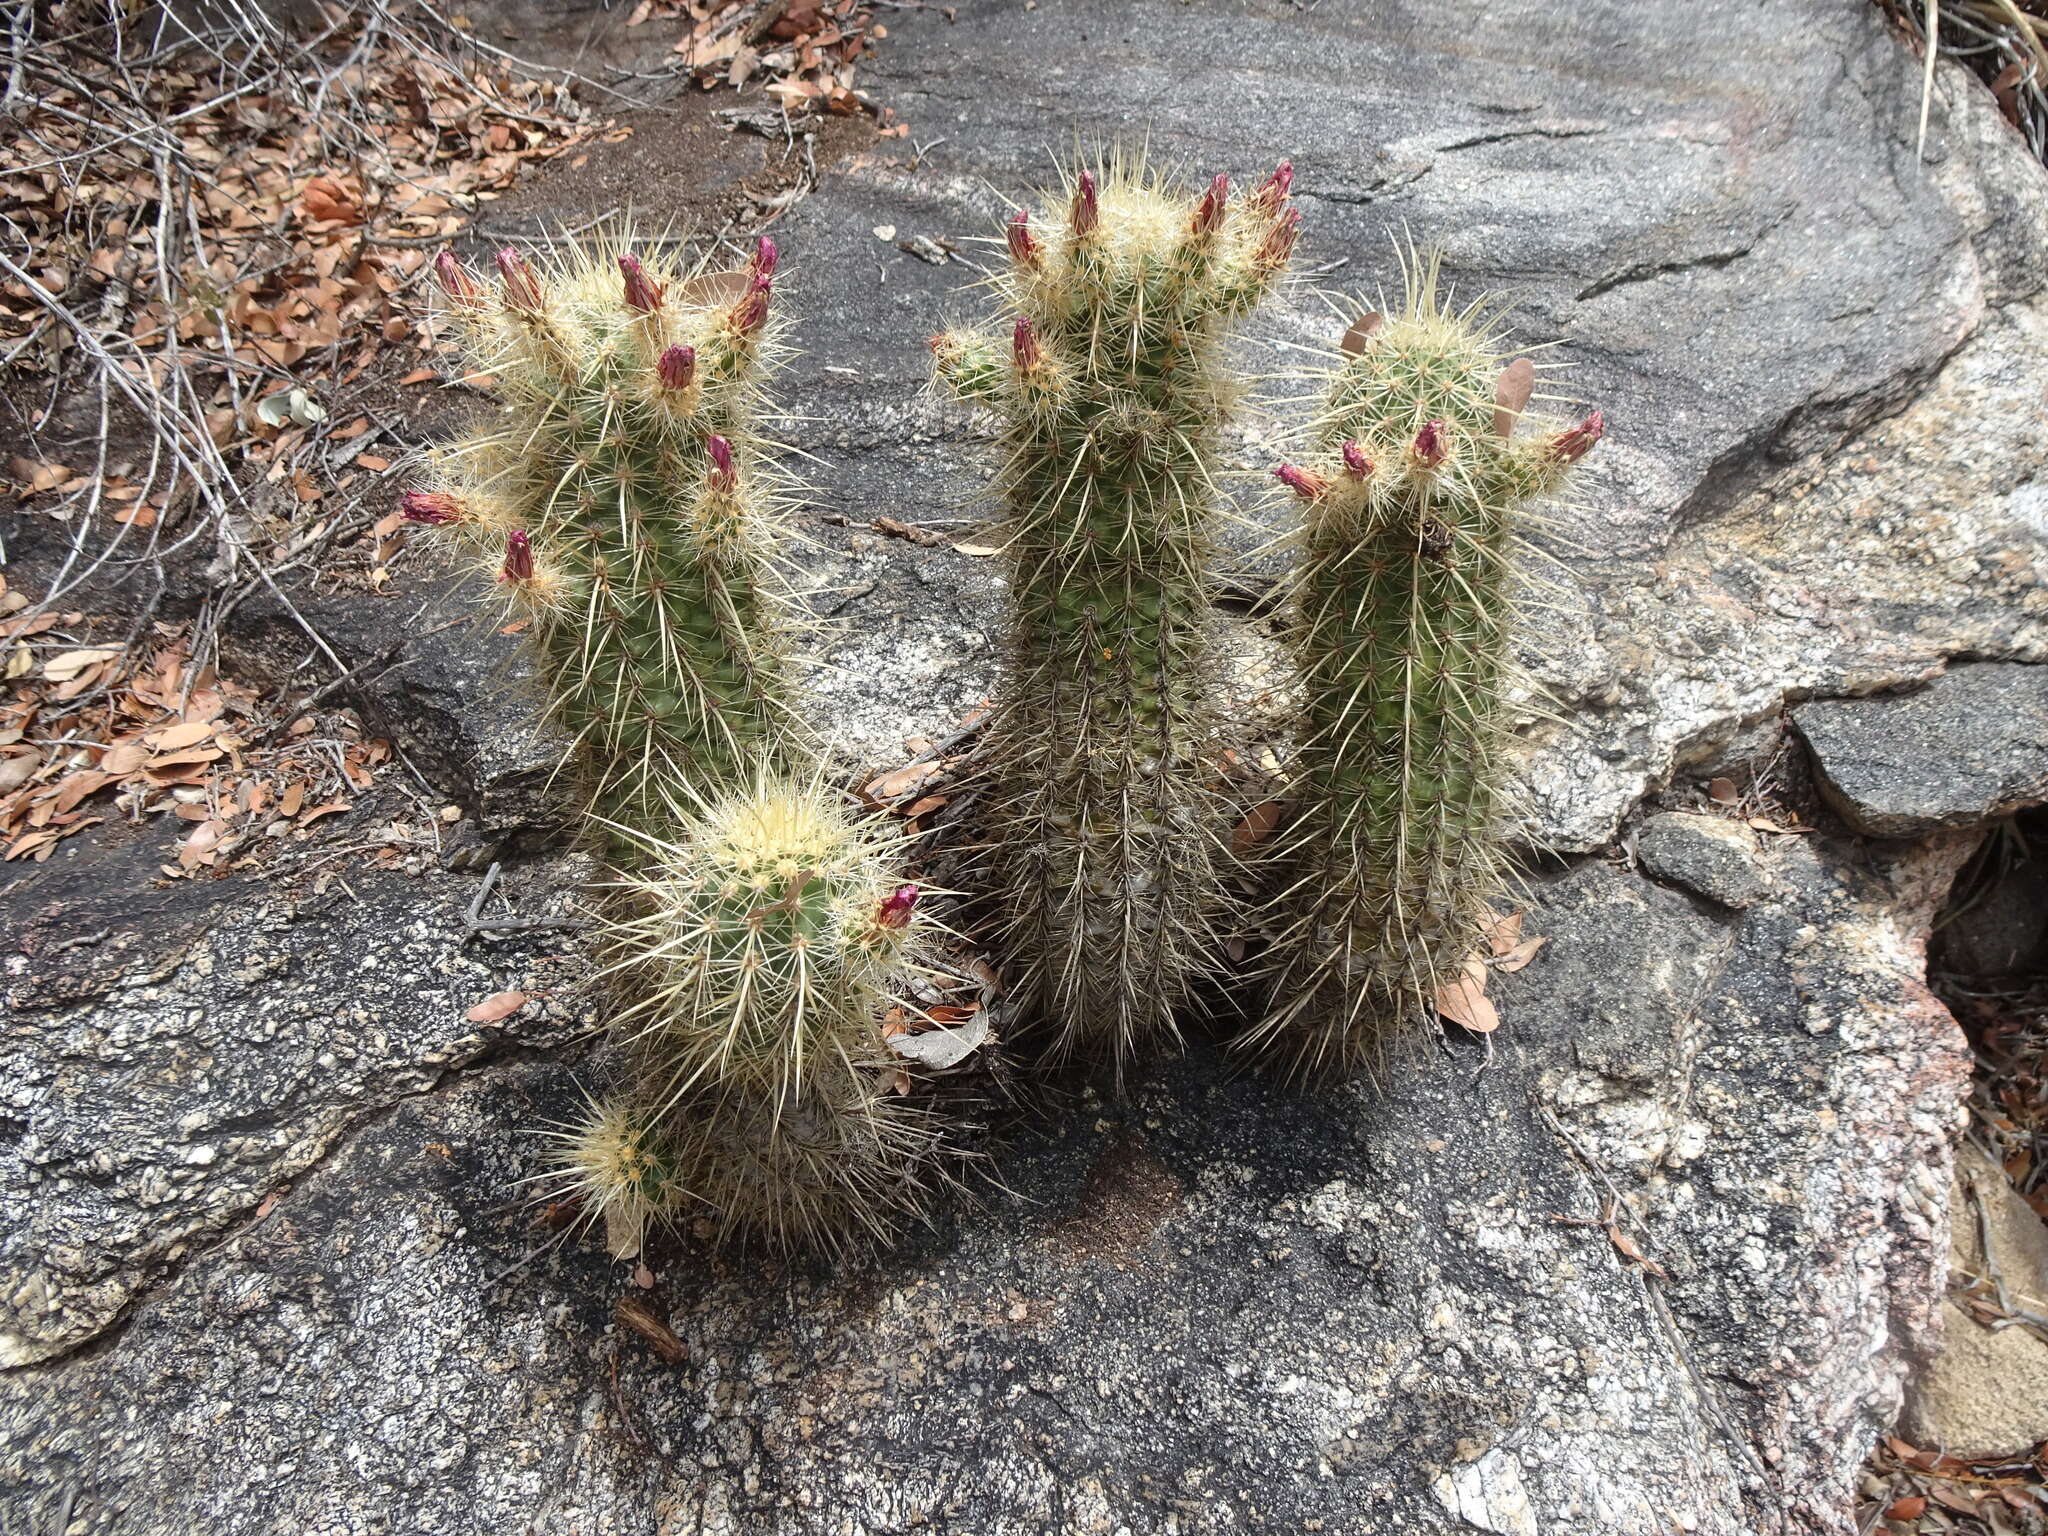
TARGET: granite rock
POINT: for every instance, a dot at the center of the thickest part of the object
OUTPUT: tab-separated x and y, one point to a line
1638	1261
1969	747
1711	856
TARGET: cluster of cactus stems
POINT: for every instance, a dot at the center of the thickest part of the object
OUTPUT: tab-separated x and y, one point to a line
1109	380
755	933
623	505
1389	865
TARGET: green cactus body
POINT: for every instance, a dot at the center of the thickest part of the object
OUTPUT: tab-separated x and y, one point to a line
623	505
1390	862
1111	392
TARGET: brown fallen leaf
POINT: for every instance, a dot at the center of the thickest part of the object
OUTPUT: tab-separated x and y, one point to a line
175	738
1632	1251
1361	331
1511	395
1465	1002
499	1005
1520	955
1255	828
1505	933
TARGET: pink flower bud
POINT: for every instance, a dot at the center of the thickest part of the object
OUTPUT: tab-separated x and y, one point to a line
1023	246
676	367
722	475
897	907
458	282
765	258
1305	483
1271	194
1278	246
1574	443
642	292
1087	211
1209	212
751	312
430	507
1356	464
1431	448
1024	345
522	288
518	558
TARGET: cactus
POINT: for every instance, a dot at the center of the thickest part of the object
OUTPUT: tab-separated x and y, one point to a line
755	956
1401	620
622	505
753	930
1111	391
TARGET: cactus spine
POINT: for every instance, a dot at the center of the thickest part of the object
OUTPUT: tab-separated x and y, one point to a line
1401	623
1111	392
753	931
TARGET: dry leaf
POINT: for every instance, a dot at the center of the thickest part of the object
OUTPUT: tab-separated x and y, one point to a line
175	738
1511	395
1361	331
68	664
978	550
1255	828
499	1005
1464	1001
1505	933
1514	959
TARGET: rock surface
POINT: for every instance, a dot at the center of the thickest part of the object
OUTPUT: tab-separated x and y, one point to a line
1711	856
1639	1263
1970	746
1985	1389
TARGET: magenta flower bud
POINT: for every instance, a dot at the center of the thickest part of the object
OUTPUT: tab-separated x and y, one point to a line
1574	443
518	558
430	507
642	292
522	288
1278	245
676	367
1024	345
1023	246
1210	210
1356	464
751	312
458	282
765	258
723	476
897	907
1305	483
1431	447
1087	211
1272	193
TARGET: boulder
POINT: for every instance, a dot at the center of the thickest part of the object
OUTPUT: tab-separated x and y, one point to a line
1970	746
1639	1261
1983	1388
1711	856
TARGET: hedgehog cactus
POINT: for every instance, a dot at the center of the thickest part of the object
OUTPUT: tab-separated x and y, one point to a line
1403	604
1111	391
754	931
623	507
758	952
